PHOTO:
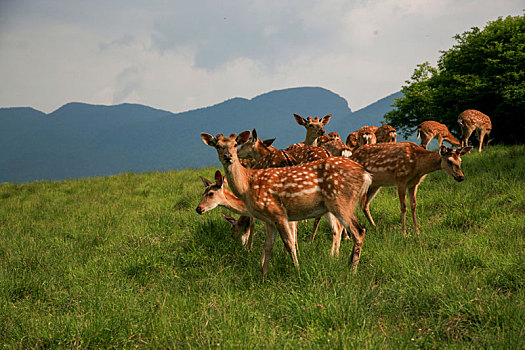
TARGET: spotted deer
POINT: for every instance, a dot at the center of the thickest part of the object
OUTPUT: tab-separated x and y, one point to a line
243	229
430	129
293	155
216	194
386	133
279	195
471	120
405	165
314	127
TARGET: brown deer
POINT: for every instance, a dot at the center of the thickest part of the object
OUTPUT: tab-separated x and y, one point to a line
279	195
430	129
471	120
386	133
314	127
243	229
366	135
217	195
405	165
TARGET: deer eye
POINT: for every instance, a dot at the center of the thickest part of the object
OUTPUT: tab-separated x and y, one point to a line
210	194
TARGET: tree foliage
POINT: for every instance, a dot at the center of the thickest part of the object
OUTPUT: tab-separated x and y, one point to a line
484	70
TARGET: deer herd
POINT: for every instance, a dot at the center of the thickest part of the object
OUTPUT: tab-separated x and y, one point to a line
323	176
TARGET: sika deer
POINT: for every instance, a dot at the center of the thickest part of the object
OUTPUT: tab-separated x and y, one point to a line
386	133
405	165
280	195
471	120
366	135
431	129
243	229
314	127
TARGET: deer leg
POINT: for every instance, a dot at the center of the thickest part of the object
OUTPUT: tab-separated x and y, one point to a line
412	192
468	132
252	233
365	205
358	236
288	237
424	141
314	230
293	227
481	136
440	141
337	229
271	232
401	192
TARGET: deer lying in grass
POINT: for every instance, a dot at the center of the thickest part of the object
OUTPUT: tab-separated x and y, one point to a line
386	133
405	165
279	195
430	129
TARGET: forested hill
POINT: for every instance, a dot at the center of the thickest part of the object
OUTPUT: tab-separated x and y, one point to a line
82	140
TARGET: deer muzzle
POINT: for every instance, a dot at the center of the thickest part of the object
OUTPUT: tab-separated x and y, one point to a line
199	210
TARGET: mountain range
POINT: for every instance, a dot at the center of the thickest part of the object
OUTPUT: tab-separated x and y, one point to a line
83	140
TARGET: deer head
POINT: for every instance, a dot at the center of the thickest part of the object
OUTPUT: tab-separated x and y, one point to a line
226	146
451	161
254	147
314	126
213	194
240	230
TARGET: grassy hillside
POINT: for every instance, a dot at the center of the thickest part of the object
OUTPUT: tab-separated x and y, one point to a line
124	261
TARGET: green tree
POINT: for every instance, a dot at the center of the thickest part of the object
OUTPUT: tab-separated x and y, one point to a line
484	70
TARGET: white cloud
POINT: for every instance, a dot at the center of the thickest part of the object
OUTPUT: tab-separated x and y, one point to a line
183	55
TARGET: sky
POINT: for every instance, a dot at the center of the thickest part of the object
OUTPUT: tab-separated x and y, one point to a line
186	54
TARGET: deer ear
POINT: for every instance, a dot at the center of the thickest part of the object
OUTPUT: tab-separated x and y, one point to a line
243	137
300	120
443	150
205	181
268	142
218	178
229	219
325	119
254	134
464	150
208	139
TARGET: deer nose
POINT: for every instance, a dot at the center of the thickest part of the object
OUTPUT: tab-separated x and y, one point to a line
199	210
227	157
460	178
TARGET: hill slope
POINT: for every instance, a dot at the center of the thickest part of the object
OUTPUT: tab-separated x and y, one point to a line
82	140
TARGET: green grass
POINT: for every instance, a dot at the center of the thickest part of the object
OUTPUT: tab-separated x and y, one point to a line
124	261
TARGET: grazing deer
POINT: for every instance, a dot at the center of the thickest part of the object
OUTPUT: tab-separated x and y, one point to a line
279	195
217	195
386	133
314	127
471	120
431	129
243	229
366	135
405	165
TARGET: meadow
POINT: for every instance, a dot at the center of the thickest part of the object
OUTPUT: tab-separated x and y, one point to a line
125	261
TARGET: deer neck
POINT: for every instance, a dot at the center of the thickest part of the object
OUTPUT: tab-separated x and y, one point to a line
233	203
310	139
452	140
237	176
429	162
260	151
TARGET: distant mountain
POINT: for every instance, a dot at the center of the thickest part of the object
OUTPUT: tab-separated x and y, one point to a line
82	140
